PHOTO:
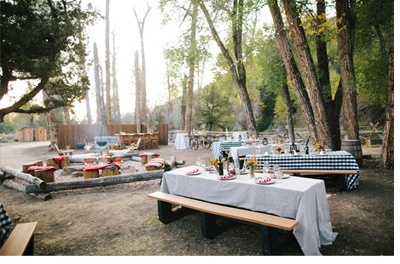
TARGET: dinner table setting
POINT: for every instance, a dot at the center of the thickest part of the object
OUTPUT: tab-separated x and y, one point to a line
272	192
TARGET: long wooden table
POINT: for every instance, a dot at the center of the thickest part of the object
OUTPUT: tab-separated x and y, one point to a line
303	199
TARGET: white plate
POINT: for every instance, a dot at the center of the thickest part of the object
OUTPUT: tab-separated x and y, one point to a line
244	172
210	168
228	178
285	176
260	181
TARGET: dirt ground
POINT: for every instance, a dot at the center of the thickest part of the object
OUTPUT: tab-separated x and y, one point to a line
120	220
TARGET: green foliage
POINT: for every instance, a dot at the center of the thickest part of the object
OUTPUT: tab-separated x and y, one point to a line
44	41
371	53
213	108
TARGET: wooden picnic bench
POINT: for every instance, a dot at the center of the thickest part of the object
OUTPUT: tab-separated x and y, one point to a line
21	241
269	225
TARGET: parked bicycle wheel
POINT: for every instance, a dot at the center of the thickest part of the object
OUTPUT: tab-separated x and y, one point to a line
194	144
206	142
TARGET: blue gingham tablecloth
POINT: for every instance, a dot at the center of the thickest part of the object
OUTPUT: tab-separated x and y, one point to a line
5	225
218	147
333	160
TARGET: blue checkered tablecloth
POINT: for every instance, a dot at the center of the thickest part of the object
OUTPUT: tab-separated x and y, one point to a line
218	147
5	225
333	160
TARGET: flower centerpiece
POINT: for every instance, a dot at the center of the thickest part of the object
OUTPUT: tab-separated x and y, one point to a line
278	150
319	148
217	163
251	164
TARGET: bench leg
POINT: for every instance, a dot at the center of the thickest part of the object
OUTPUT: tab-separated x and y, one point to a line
30	248
167	215
273	243
341	182
209	226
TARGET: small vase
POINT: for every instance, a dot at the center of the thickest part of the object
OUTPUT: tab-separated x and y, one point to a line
215	170
252	173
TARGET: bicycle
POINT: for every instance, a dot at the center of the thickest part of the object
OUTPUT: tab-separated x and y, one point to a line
193	143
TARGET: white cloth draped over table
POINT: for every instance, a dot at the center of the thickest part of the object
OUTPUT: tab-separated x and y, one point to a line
299	198
236	152
242	135
182	141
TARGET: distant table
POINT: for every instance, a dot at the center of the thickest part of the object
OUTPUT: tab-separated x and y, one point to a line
218	147
236	152
182	141
333	160
240	135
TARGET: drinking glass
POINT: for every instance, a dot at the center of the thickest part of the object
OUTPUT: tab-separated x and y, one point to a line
278	174
198	161
266	168
203	166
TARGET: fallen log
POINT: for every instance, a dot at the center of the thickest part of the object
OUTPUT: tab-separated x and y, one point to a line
96	182
14	185
24	176
42	196
8	183
79	158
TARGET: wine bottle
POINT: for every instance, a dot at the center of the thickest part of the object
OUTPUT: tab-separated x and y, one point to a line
306	148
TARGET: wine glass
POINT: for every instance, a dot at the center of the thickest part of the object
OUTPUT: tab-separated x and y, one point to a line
198	161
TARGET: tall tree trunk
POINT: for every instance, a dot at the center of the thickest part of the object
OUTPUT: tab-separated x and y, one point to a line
108	113
87	99
289	112
138	118
387	160
332	107
308	72
143	91
292	70
67	117
97	84
345	25
238	73
184	102
116	105
192	62
88	112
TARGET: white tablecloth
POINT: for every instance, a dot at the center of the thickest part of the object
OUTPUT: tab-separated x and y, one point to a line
236	135
236	152
182	141
299	198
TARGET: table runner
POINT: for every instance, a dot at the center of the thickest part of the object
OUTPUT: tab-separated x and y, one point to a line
303	199
333	160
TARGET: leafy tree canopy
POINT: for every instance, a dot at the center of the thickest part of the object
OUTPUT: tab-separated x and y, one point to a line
43	44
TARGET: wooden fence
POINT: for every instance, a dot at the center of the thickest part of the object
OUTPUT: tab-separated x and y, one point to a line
70	135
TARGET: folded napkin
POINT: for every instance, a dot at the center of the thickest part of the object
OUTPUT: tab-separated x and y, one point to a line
195	171
42	168
264	180
227	176
242	171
